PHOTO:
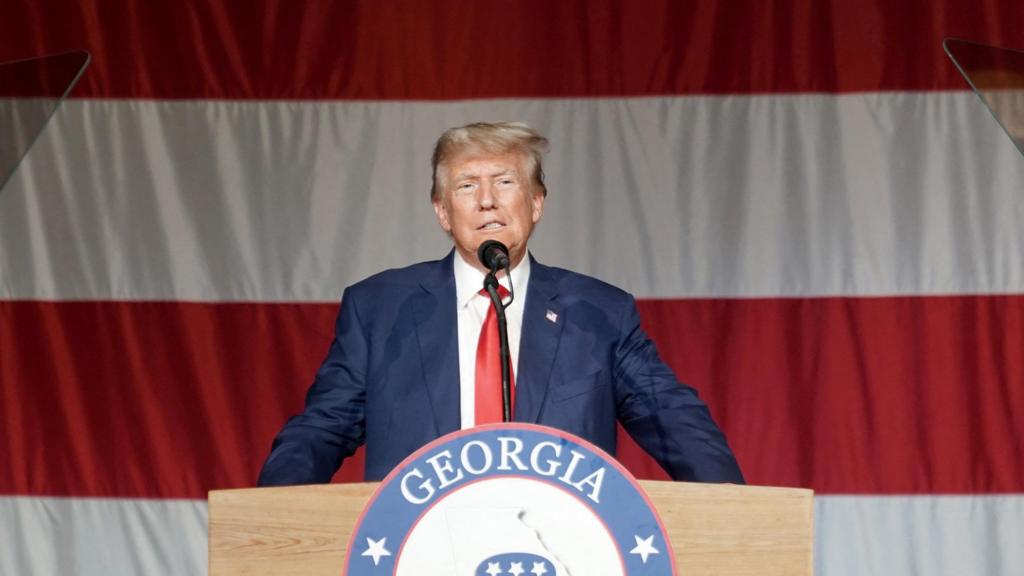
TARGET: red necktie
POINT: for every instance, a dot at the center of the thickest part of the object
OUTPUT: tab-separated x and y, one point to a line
488	368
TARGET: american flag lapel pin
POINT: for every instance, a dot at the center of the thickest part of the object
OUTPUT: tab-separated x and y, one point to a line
551	316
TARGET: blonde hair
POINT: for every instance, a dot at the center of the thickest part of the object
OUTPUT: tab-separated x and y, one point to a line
492	138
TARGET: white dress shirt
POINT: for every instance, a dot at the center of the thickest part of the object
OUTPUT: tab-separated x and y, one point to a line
472	310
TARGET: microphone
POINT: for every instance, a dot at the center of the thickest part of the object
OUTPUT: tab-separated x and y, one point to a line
493	255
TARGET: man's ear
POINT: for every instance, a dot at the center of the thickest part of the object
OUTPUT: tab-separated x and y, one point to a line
538	206
442	215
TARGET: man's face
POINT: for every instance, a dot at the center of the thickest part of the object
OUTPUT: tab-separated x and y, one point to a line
488	196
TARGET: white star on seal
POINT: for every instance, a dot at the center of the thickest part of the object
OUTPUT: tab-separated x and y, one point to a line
493	568
375	549
539	569
644	547
516	569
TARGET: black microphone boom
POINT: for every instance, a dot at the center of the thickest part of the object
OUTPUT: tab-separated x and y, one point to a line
493	255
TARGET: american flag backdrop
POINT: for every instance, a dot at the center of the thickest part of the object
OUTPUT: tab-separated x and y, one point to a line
823	227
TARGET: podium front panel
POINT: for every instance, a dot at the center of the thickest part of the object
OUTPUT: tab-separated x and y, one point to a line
715	529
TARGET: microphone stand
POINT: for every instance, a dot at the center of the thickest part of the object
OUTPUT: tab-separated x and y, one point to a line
491	285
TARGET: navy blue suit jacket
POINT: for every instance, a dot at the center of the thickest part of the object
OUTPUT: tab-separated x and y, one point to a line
391	378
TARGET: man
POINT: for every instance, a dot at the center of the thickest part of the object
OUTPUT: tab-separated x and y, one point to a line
404	367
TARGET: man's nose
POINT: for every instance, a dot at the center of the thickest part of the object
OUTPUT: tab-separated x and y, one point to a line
485	196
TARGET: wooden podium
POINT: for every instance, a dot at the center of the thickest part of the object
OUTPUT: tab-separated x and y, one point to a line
715	529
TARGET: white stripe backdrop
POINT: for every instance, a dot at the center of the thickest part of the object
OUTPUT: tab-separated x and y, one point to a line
101	536
863	194
854	536
904	535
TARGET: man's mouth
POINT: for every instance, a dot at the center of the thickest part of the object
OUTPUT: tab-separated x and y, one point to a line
491	226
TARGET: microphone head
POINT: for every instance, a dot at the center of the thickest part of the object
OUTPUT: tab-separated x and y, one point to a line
493	255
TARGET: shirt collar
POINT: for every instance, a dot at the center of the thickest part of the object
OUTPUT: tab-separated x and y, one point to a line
469	280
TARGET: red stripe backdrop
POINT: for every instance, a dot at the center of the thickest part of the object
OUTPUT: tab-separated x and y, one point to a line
164	399
447	49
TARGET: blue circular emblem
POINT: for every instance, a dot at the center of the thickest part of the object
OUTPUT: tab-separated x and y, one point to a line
509	499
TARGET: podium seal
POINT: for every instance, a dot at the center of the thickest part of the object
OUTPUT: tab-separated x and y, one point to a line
509	500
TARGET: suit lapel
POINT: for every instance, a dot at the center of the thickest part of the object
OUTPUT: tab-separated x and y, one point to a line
543	319
437	332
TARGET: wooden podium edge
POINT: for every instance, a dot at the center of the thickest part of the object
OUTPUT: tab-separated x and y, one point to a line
720	529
